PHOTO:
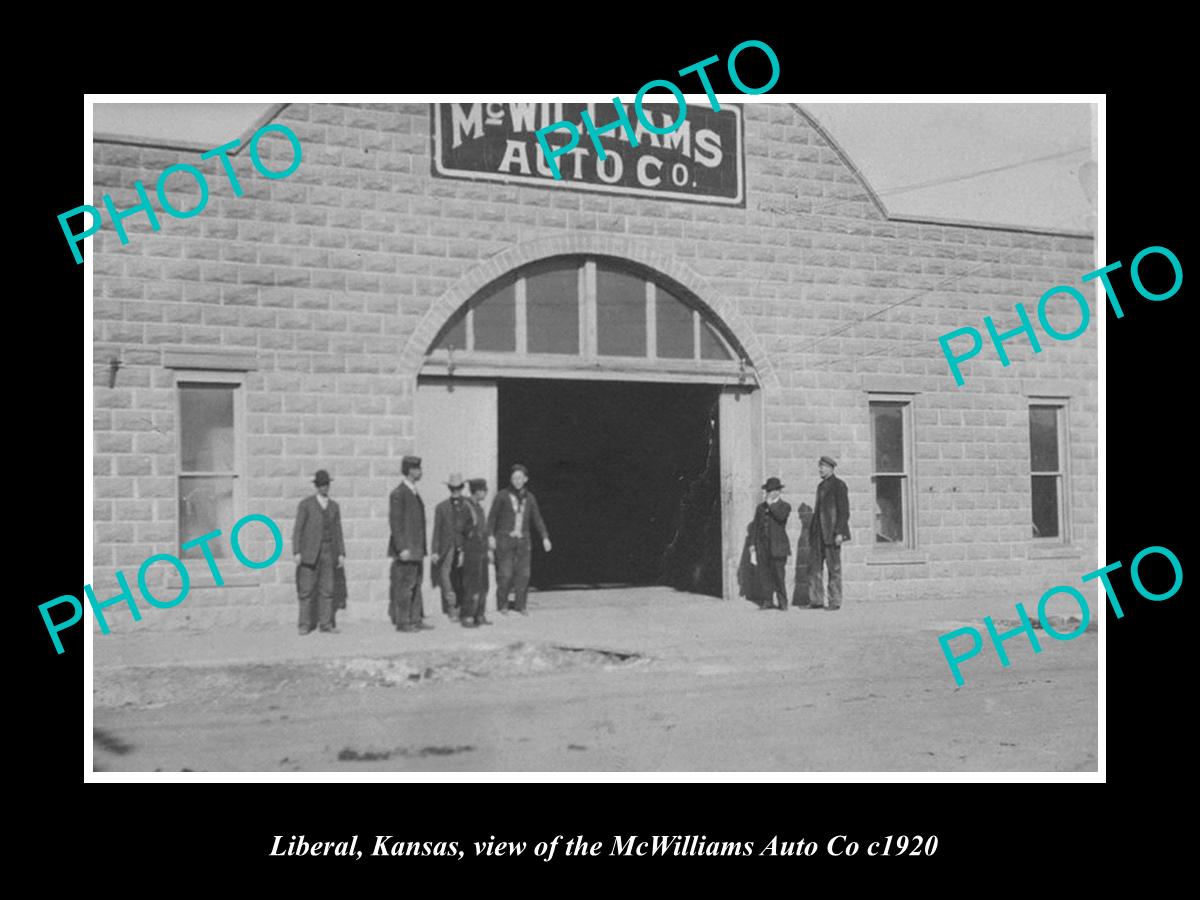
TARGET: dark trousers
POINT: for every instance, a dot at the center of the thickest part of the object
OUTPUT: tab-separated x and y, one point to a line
512	570
314	584
831	556
777	572
405	606
474	585
450	581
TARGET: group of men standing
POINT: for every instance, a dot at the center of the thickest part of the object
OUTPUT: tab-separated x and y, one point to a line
770	546
466	539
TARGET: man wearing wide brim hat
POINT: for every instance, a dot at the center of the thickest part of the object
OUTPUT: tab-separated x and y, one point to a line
771	548
452	522
830	529
318	547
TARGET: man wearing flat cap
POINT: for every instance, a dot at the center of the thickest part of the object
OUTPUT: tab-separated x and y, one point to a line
407	547
771	548
829	530
513	512
451	525
476	556
317	548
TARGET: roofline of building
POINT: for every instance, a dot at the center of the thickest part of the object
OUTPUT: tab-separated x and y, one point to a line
992	226
274	111
243	139
845	157
926	220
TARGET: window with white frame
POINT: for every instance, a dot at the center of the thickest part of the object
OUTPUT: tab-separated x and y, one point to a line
891	475
1047	464
209	473
587	306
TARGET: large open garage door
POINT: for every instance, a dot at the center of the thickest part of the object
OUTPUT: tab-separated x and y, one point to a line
636	410
627	476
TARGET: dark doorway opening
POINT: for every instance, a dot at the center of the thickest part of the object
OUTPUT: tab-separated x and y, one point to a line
627	476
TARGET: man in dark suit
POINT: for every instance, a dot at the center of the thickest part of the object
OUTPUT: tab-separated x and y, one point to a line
317	547
513	511
829	530
406	547
475	560
771	548
451	525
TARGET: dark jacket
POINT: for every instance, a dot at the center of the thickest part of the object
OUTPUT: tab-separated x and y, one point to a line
475	553
831	514
449	530
770	529
406	516
502	519
309	531
477	529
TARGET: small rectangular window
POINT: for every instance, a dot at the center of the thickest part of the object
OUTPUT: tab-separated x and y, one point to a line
495	321
552	310
675	328
891	426
620	313
209	464
1047	493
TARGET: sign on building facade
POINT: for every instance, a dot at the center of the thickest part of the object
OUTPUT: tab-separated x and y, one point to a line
700	161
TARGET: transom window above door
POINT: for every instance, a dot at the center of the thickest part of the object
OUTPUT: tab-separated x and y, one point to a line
602	310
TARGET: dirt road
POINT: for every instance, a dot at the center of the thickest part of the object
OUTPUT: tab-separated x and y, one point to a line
618	681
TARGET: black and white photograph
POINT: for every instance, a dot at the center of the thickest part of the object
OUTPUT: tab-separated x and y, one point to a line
537	435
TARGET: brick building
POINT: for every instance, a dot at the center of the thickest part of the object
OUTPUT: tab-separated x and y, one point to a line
651	338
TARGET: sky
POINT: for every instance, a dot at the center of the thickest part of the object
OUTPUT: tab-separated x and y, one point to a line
1028	165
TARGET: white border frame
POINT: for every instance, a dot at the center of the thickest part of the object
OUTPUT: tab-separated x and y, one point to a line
89	776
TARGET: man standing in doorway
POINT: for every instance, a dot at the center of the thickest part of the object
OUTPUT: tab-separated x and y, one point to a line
476	556
451	524
830	529
317	547
513	511
406	547
771	548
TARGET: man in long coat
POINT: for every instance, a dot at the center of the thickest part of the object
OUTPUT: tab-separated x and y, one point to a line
451	524
475	560
407	548
829	530
771	549
318	547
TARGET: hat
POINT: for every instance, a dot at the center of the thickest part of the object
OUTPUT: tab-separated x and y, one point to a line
829	461
455	480
322	477
773	484
477	484
410	462
518	467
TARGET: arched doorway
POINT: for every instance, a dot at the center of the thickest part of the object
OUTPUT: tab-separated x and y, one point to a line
634	406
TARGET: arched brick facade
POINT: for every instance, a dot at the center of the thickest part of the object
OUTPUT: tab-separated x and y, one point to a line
531	251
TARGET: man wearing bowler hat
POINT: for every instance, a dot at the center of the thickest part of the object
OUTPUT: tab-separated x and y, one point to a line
514	510
317	547
829	530
406	547
451	525
771	548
